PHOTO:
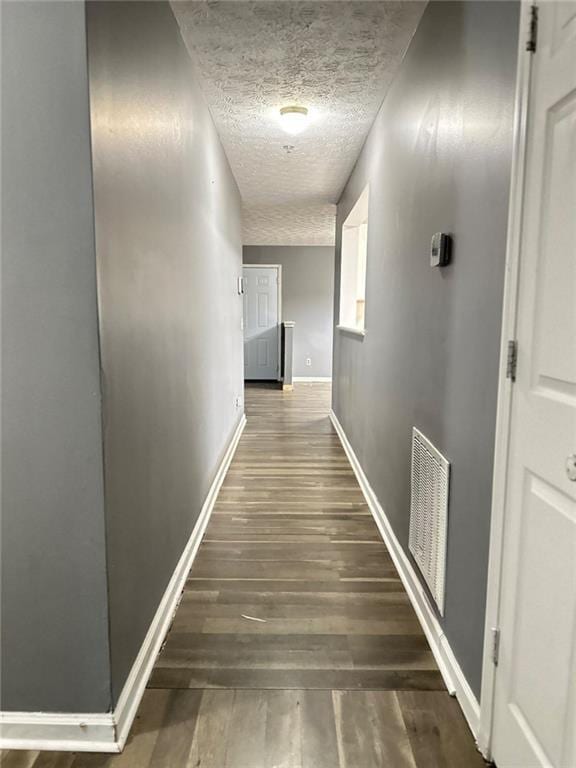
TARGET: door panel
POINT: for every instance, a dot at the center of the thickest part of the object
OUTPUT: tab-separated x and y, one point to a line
534	715
261	322
555	362
542	622
262	309
262	352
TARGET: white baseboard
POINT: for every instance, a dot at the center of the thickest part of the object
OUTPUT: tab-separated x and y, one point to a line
450	669
312	378
107	732
60	732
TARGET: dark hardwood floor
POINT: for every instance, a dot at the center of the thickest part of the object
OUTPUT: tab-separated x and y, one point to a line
293	586
295	644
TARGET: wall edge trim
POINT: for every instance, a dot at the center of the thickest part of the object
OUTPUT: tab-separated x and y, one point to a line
79	732
312	378
449	667
108	732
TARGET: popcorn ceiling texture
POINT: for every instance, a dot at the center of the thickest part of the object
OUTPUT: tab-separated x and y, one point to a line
336	58
289	224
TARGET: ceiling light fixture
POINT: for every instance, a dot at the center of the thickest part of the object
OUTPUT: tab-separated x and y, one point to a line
294	119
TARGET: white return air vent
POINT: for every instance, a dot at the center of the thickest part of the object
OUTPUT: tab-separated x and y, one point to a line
429	513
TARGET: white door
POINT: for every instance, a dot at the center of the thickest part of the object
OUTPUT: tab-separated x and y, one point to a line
535	694
261	322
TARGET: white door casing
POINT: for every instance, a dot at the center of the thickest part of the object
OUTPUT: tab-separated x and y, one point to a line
261	321
534	716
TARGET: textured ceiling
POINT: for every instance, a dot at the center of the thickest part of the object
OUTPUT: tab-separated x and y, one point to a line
336	58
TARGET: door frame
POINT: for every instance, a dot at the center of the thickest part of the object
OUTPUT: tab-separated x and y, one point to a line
278	267
505	385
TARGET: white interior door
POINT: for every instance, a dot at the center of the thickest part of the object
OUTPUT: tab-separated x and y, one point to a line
261	322
535	693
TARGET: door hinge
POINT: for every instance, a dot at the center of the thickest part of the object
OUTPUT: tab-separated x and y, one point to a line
532	30
495	645
512	360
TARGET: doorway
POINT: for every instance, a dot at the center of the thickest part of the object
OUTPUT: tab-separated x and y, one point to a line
529	674
262	285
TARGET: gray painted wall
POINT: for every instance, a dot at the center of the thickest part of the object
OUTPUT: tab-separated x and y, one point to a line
307	298
169	253
54	616
437	159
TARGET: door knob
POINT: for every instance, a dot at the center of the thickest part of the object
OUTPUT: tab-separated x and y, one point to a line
571	467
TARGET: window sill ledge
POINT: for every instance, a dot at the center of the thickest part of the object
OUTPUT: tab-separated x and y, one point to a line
353	331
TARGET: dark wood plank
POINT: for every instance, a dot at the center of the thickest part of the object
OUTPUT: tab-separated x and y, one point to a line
54	760
370	730
283	740
17	759
333	678
245	747
319	742
208	748
176	733
438	731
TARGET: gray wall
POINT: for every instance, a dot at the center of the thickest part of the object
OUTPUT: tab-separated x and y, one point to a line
437	159
54	617
169	253
307	298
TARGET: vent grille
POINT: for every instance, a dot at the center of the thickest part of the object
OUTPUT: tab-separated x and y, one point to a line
429	513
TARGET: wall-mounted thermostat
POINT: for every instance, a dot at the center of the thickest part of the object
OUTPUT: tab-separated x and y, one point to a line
440	250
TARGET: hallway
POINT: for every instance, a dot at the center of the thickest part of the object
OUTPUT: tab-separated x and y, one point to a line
294	645
365	556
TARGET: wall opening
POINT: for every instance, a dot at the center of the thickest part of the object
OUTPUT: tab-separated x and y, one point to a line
353	266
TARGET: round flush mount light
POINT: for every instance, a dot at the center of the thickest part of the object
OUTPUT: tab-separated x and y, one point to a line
293	119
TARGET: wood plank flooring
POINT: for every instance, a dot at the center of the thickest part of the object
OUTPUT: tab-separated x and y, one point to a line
295	644
293	586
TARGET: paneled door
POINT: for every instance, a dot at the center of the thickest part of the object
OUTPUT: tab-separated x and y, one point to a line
261	322
535	688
